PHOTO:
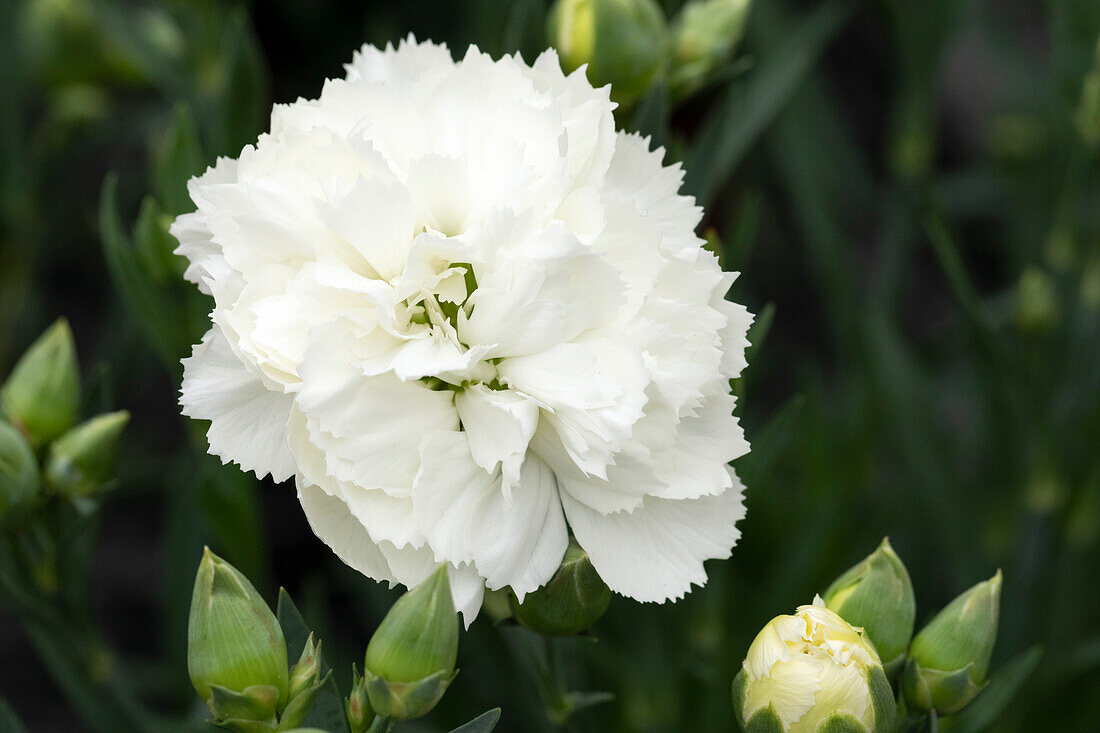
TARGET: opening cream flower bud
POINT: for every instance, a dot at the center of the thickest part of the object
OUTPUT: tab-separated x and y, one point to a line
810	672
42	393
82	460
624	42
877	595
235	647
573	599
949	658
18	473
410	660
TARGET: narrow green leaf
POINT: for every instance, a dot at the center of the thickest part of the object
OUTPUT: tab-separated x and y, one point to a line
177	156
481	724
651	115
746	111
992	701
10	722
327	712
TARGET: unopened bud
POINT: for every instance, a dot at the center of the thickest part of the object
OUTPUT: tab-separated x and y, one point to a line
1036	302
18	473
234	643
705	32
82	460
624	42
303	684
877	595
570	602
42	394
949	658
410	660
357	705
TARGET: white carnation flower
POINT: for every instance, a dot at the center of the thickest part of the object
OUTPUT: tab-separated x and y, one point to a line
470	318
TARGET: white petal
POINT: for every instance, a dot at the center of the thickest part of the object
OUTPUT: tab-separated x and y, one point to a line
656	552
499	425
466	519
247	421
335	525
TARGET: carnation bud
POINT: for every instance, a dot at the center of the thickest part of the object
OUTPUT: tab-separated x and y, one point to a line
624	42
410	660
42	394
949	658
1036	302
83	459
357	705
304	682
704	33
18	473
236	654
570	602
877	595
813	672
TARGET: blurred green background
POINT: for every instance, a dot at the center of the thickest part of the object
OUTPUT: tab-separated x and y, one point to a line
910	189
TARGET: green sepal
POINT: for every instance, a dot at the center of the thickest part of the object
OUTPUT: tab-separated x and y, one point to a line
765	720
882	701
299	705
572	600
737	692
406	700
240	725
18	473
841	723
945	692
255	704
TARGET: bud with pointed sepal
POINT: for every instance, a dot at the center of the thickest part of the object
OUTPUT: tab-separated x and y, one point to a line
357	705
82	460
624	42
949	658
877	595
42	394
813	672
18	474
704	33
304	682
236	654
570	602
410	660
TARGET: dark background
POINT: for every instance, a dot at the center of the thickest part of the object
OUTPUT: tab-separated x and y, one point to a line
910	190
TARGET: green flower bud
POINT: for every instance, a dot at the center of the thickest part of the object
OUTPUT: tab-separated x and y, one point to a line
303	684
813	672
18	473
704	34
570	602
357	704
82	460
877	595
234	644
949	658
624	42
1036	302
410	660
42	394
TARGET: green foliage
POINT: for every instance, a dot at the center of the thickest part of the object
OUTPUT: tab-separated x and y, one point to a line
913	186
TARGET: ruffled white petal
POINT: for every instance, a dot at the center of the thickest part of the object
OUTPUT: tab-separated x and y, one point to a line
656	552
247	421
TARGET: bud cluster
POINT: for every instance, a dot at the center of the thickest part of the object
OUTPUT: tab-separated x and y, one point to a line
632	46
830	666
